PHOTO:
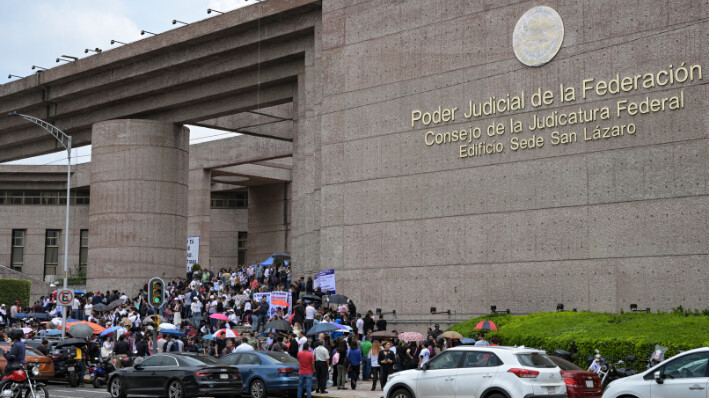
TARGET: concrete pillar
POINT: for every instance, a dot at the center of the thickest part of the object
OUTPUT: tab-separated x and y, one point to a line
269	221
199	211
138	211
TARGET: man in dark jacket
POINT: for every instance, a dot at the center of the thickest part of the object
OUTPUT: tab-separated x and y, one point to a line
16	356
299	313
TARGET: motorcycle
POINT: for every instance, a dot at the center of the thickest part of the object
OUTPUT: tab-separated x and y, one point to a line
20	382
99	373
657	356
613	371
66	366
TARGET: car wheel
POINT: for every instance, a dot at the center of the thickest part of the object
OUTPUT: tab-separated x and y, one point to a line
496	395
401	393
175	390
117	390
257	389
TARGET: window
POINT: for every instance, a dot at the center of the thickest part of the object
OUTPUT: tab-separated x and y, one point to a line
446	360
83	250
688	366
480	360
152	361
46	198
18	249
249	359
230	200
51	252
242	248
535	360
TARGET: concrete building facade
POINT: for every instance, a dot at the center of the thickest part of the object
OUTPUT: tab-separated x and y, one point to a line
410	146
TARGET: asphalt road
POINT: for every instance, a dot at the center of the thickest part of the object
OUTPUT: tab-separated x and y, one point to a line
57	390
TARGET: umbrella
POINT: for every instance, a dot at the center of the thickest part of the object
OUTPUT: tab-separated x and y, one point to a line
172	332
324	327
310	297
269	261
208	337
467	340
38	315
148	320
70	342
221	317
226	333
452	335
338	299
411	336
99	307
57	321
81	330
279	324
486	325
27	330
110	330
280	303
96	327
166	326
54	332
21	315
114	304
281	256
344	327
383	334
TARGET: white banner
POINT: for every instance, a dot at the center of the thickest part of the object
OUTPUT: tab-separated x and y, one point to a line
325	280
192	252
271	296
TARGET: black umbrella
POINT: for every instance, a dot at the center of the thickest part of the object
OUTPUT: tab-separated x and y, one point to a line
281	256
310	297
70	342
100	307
324	327
279	324
114	304
338	299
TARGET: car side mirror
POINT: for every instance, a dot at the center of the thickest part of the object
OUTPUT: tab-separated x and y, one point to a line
138	366
659	378
424	366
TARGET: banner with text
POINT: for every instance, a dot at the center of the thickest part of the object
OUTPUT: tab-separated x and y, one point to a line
325	280
272	296
192	252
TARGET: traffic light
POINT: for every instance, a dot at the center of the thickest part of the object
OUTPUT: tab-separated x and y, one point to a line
156	289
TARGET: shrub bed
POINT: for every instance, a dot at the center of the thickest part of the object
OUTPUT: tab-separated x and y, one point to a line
14	289
615	335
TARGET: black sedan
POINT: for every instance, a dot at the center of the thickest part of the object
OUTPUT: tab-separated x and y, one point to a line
177	375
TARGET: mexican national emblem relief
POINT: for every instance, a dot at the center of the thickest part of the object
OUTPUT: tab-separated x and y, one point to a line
538	36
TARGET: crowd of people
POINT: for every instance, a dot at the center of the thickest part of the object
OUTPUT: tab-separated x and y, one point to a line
345	355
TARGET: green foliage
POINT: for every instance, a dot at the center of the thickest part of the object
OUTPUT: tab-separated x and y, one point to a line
15	289
614	335
76	277
196	267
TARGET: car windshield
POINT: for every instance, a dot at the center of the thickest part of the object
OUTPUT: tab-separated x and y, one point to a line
277	357
33	352
535	360
199	360
564	364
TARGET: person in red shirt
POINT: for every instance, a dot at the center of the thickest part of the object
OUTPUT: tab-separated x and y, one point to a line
306	362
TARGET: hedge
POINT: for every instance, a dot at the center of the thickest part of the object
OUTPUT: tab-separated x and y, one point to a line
615	335
14	289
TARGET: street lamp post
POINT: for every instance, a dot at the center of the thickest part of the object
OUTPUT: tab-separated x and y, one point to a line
61	137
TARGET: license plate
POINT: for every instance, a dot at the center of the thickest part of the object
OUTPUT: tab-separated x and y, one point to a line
70	368
223	376
549	390
589	383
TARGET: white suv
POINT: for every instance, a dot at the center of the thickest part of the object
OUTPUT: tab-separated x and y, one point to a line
685	375
481	372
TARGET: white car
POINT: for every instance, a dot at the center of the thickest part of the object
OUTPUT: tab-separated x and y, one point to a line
481	372
682	376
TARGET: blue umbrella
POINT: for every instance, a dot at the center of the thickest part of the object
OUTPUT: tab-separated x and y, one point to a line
21	315
79	292
208	337
54	332
110	330
324	327
172	332
269	261
467	340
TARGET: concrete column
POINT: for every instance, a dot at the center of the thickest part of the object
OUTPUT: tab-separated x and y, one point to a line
138	211
199	211
269	221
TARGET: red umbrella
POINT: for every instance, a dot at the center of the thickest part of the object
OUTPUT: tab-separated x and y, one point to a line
486	325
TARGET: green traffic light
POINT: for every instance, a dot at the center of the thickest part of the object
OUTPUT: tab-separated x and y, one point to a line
156	299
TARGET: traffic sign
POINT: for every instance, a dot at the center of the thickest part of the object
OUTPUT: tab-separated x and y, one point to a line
65	297
156	292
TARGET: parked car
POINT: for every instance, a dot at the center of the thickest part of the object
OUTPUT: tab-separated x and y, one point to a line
176	375
480	372
266	373
46	365
579	382
685	375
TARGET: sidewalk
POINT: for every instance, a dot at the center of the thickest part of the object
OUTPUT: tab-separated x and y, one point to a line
363	391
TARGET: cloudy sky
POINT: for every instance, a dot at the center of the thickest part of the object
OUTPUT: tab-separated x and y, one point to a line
36	32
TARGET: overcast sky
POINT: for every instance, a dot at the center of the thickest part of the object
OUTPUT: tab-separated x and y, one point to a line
36	32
